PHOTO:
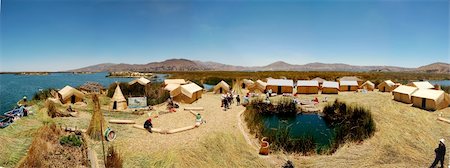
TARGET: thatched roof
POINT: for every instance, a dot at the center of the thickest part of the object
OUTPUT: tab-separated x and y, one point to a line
174	81
348	83
428	93
68	91
307	83
280	82
190	89
118	96
405	89
320	80
368	83
91	86
330	84
248	82
222	84
349	78
422	85
141	80
389	82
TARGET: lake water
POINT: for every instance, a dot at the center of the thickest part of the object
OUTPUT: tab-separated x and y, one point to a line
14	87
304	124
441	82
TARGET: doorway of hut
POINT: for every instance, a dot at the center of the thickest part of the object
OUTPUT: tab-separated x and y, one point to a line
279	90
220	90
424	103
115	105
72	99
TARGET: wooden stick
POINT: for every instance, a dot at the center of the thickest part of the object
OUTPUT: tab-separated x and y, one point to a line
194	108
122	122
444	120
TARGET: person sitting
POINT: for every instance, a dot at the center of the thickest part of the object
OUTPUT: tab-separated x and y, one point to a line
70	109
316	100
148	125
198	119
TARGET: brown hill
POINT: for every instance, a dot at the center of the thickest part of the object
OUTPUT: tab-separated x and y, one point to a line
438	67
188	65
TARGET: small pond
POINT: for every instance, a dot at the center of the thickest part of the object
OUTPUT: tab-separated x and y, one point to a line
301	125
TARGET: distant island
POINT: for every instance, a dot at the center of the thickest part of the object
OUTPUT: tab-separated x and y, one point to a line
129	74
190	65
33	73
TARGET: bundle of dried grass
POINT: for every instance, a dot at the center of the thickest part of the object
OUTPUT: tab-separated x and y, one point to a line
52	110
113	159
97	124
35	156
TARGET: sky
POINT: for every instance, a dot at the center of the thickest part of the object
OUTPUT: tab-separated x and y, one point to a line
55	35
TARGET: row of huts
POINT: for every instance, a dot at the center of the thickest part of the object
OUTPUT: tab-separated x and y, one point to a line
421	94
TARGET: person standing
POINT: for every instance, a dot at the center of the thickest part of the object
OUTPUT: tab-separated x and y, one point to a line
238	100
440	154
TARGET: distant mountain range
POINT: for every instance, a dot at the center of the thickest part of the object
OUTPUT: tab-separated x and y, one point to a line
190	65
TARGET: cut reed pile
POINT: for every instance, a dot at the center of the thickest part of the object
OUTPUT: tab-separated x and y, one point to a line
46	150
98	123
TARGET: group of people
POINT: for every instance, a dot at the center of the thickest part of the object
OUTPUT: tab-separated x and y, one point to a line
228	99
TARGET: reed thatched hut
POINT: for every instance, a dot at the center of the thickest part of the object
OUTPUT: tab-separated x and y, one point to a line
189	93
330	87
69	94
258	87
386	86
421	85
118	101
403	93
368	85
348	86
429	99
221	87
280	86
307	87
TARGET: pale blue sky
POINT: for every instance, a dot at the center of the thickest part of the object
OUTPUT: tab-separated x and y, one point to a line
66	34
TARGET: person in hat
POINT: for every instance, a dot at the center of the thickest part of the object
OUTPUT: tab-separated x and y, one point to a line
440	154
148	125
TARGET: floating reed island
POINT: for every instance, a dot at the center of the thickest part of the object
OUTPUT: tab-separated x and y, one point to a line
129	74
33	73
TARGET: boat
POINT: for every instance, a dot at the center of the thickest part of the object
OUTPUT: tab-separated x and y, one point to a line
17	112
5	121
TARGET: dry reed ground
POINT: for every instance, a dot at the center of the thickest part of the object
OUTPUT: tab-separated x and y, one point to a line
406	137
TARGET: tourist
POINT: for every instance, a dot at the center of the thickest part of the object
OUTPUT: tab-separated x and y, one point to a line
148	125
198	119
440	154
225	104
222	98
238	100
